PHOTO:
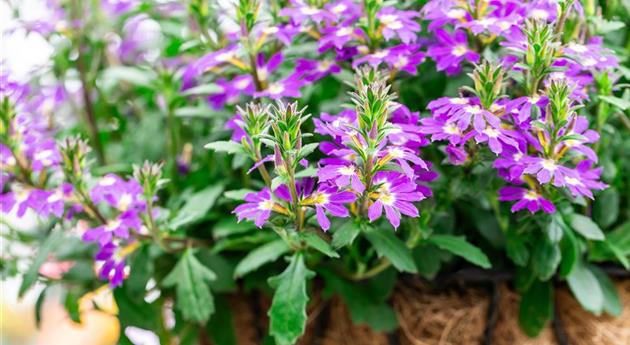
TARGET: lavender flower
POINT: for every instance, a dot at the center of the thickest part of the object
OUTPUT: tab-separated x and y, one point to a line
451	50
331	200
399	23
529	199
395	193
258	207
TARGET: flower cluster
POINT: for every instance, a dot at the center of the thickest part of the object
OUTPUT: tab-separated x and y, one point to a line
242	67
371	161
30	159
539	138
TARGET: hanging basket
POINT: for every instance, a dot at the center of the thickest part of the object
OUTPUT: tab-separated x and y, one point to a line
447	316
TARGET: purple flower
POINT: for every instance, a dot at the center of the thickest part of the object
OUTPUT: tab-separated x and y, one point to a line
457	155
342	176
582	180
312	70
331	200
398	23
301	12
113	267
451	50
118	193
287	87
118	228
527	198
403	156
258	207
395	193
206	62
545	169
337	36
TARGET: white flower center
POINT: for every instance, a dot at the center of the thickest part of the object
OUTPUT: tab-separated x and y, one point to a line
491	132
539	14
124	202
459	50
473	109
276	89
456	13
107	181
339	8
265	205
573	181
309	11
346	170
549	164
344	31
451	128
531	195
459	100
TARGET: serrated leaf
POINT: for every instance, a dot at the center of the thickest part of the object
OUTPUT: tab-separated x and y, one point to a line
54	239
586	227
460	247
287	315
191	281
316	242
388	245
586	288
536	307
230	147
264	254
345	235
197	206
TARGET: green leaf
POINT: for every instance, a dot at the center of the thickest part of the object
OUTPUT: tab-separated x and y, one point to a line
230	226
620	103
142	266
308	172
536	307
128	74
199	111
606	207
266	253
570	251
612	302
316	242
38	306
238	194
201	90
230	147
516	248
586	227
54	239
545	258
197	206
220	327
459	246
388	245
133	311
586	288
345	235
71	304
190	279
367	303
287	315
429	258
